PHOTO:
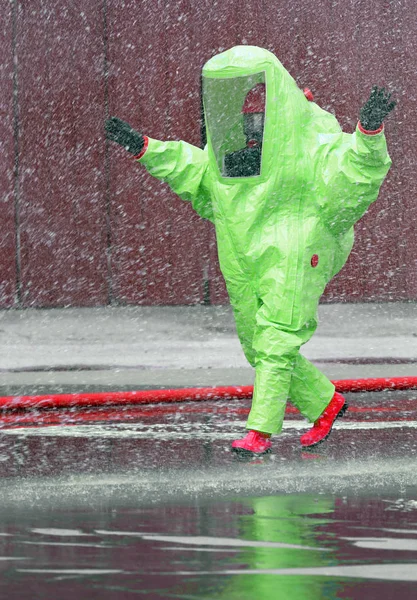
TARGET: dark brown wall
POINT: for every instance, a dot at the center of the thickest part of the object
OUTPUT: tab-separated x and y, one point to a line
7	161
82	225
62	183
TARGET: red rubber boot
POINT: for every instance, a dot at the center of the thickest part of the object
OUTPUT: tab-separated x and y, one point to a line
254	443
323	426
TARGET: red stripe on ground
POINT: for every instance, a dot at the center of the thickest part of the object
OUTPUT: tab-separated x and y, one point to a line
74	416
119	398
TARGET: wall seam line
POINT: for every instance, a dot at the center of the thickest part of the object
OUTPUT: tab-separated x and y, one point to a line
16	166
110	299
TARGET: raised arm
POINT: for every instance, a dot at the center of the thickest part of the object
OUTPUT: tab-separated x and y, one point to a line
181	165
353	166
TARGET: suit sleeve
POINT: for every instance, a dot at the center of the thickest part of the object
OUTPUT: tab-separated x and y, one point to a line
184	168
352	169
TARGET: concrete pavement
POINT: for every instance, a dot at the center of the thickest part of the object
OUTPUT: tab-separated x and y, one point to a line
120	348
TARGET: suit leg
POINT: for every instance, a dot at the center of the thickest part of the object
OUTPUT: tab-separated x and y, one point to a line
310	390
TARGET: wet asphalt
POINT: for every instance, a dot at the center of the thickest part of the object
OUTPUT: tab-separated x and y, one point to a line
148	501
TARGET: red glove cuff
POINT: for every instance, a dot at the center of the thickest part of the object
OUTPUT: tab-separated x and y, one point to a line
145	147
370	132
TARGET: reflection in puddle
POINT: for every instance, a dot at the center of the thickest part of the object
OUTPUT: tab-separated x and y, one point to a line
61	532
206	541
67	544
384	543
71	571
394	572
297	546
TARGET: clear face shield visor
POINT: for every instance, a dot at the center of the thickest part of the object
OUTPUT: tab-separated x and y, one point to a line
253	127
235	115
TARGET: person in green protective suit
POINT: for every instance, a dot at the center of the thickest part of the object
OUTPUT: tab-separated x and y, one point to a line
283	186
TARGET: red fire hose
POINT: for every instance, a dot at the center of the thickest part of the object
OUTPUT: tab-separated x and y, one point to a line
184	395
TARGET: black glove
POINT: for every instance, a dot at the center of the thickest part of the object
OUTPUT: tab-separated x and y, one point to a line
376	109
121	132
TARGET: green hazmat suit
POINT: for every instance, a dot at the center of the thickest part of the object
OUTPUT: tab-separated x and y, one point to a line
282	233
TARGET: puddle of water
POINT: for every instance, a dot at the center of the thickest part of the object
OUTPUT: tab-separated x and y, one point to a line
298	546
160	509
